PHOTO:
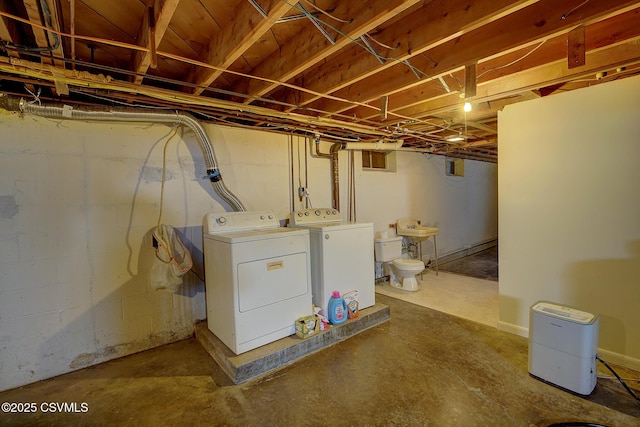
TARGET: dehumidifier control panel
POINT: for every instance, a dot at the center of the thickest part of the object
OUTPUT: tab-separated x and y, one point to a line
565	313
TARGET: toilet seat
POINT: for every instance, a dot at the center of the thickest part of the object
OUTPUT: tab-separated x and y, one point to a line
409	264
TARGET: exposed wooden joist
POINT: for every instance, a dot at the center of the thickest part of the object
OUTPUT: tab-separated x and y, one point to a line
72	27
44	39
311	46
621	27
8	30
91	81
618	55
481	143
431	26
236	37
481	127
163	11
524	27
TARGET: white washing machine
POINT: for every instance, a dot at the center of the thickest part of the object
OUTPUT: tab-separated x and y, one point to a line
257	278
341	255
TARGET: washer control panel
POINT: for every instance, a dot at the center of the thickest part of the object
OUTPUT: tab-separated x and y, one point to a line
313	216
220	222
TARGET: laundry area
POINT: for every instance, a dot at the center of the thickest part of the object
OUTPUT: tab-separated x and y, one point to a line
392	364
264	213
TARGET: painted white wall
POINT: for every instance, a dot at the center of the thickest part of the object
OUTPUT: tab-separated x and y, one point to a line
464	208
78	202
570	210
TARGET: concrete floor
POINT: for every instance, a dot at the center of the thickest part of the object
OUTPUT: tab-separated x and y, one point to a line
422	367
483	265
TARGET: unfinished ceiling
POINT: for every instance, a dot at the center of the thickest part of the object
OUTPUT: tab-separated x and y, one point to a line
346	70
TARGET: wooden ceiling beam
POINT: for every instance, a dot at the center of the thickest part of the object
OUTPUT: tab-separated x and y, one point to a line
45	39
238	35
310	46
8	30
622	27
33	12
163	11
481	143
524	27
429	27
618	55
87	80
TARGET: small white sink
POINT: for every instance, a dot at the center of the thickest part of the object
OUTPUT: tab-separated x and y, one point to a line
418	231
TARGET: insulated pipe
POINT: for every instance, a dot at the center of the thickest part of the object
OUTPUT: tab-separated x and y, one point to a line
336	174
376	146
129	115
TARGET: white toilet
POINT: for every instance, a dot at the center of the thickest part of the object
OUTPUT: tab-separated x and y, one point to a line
402	271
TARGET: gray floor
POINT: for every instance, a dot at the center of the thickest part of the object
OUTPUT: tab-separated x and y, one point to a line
482	265
422	367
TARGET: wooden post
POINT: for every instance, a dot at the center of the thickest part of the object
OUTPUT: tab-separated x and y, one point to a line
576	47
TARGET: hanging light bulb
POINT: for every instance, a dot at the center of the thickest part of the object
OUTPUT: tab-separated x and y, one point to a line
467	107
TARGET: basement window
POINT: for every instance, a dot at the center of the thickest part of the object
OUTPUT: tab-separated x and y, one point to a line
379	160
454	167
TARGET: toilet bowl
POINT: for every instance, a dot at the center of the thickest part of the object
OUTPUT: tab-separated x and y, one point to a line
402	271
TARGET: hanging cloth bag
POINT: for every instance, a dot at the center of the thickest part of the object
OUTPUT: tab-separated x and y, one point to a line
173	259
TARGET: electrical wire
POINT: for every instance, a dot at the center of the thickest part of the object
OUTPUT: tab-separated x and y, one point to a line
512	62
363	45
164	163
608	377
324	12
189	61
36	97
618	377
566	15
48	29
164	168
226	70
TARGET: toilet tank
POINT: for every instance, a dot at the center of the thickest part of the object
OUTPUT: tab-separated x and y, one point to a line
388	249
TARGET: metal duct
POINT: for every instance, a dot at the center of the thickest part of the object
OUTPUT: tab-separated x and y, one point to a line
130	115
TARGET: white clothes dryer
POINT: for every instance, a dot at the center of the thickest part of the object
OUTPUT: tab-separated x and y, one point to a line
257	278
342	256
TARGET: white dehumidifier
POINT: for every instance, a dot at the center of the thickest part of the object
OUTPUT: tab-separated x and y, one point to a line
563	343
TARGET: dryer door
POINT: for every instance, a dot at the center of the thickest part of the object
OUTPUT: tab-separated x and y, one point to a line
268	281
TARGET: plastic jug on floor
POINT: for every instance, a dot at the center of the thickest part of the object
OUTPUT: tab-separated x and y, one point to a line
337	309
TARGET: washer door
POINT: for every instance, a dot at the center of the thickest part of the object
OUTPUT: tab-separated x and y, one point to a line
271	280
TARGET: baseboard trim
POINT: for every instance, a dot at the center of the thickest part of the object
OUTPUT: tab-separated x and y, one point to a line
619	359
607	355
513	329
461	253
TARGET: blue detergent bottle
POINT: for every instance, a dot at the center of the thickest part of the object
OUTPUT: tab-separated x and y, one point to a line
337	309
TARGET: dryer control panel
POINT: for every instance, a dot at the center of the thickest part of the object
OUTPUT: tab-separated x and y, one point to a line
222	222
314	216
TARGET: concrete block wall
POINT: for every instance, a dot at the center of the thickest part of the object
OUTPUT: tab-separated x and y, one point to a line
77	204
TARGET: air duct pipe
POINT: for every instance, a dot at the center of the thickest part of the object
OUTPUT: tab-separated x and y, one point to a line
11	103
